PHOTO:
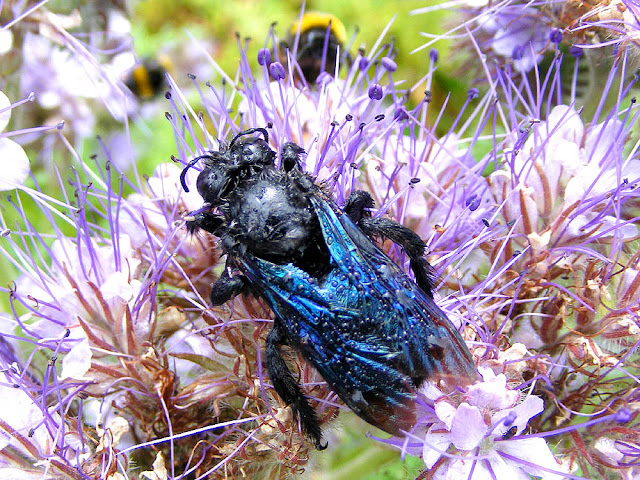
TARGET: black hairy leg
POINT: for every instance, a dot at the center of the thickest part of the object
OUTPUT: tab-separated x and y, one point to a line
357	204
287	387
227	287
204	220
356	208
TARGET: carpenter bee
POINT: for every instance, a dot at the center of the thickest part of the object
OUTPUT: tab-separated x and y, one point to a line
148	78
321	36
374	334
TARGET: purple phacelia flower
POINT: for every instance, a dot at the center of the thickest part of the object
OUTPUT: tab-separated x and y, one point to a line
527	204
516	29
611	25
562	171
481	425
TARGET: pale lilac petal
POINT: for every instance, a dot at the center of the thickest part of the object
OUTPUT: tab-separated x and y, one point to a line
492	393
489	469
528	60
503	469
435	443
524	411
603	144
607	223
468	428
445	412
513	30
25	416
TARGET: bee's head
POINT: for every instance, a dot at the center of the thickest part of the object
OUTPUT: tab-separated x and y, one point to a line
216	178
225	168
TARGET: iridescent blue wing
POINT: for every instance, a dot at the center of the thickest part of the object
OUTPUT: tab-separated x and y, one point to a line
369	330
326	324
432	348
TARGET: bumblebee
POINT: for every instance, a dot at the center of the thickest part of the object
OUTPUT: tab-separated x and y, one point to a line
321	35
374	334
148	78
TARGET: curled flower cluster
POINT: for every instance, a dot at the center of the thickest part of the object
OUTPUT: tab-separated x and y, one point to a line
529	207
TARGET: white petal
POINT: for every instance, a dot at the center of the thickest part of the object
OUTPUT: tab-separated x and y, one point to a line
565	122
536	452
430	391
14	163
117	286
434	443
6	42
10	473
607	447
6	114
77	362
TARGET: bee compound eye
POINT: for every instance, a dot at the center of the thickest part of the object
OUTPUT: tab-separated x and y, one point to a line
210	184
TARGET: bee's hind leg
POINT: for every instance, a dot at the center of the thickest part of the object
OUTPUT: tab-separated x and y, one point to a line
287	387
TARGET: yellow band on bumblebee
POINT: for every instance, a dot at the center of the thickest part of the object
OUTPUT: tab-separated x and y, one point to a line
166	63
311	20
142	81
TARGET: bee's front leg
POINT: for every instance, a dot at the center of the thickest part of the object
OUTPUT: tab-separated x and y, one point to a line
203	219
227	287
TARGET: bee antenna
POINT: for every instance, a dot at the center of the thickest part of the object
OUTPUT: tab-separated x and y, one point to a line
261	130
184	171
